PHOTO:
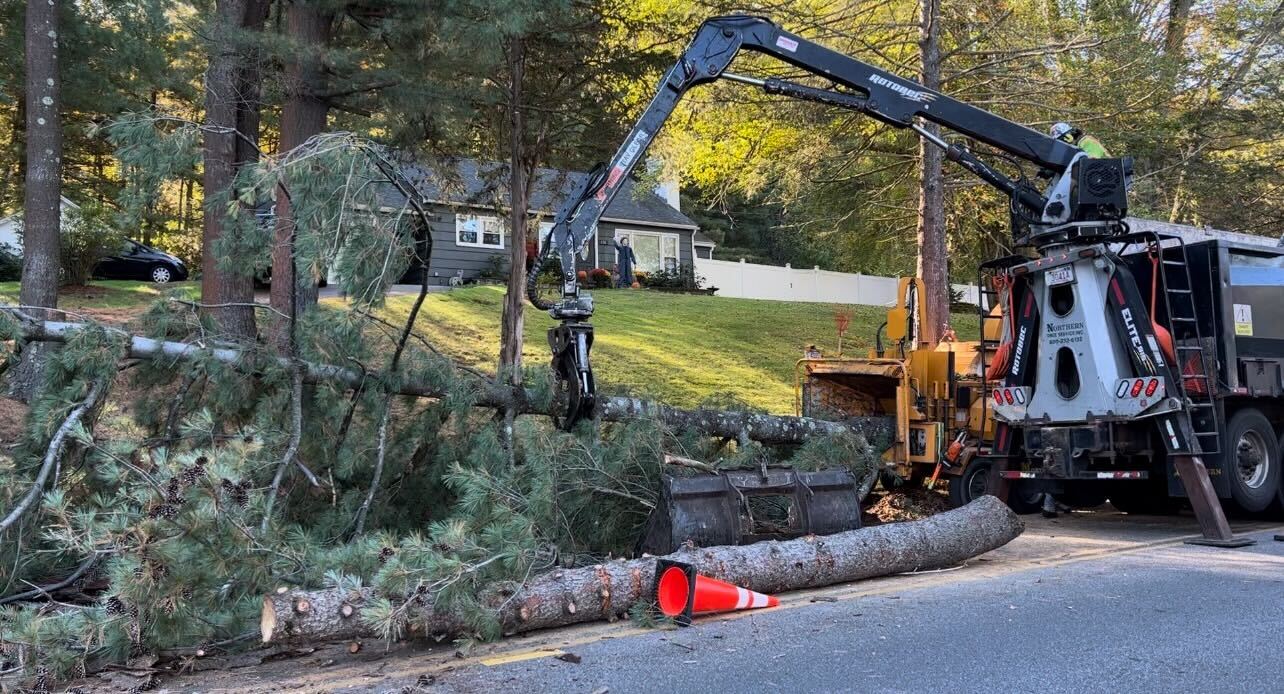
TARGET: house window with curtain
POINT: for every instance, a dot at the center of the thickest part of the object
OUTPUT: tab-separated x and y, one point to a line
655	251
479	230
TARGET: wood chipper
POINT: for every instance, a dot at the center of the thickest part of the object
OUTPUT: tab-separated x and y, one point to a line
934	393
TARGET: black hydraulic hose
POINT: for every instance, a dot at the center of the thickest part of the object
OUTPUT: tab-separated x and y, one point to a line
532	278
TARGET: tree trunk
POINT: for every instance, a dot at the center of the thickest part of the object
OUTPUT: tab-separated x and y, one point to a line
42	214
223	115
933	263
510	355
1175	32
774	429
42	209
294	289
607	591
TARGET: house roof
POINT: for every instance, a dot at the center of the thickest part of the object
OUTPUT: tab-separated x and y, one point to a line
699	239
473	182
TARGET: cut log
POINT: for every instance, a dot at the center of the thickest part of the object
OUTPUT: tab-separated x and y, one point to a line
772	429
607	591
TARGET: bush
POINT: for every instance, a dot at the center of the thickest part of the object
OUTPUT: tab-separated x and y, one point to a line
683	278
88	235
496	268
600	278
10	264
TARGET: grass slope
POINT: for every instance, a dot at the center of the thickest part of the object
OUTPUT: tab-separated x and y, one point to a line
102	298
678	348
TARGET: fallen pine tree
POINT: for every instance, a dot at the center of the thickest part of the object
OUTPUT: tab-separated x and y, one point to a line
766	428
609	590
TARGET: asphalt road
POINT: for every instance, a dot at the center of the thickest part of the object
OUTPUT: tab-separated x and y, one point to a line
1098	602
1109	613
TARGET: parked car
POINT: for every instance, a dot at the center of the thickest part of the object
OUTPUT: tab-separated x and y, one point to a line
138	262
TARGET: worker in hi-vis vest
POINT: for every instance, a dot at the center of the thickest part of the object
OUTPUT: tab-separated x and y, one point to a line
1076	137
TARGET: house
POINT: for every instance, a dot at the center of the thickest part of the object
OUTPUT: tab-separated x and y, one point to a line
10	225
470	235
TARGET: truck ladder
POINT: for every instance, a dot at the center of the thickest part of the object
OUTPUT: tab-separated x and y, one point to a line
1195	380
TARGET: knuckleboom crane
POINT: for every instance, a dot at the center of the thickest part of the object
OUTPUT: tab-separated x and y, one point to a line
1085	200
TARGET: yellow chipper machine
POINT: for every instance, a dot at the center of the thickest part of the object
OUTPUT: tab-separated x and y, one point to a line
933	392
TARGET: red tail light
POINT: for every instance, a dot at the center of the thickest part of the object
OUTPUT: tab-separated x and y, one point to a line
1152	386
1136	387
1007	395
998	398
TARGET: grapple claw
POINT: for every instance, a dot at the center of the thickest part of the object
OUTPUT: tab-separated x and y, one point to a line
571	342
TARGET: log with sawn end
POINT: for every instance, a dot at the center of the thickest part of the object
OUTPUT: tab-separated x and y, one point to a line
607	591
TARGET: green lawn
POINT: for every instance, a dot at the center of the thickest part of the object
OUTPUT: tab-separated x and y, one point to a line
678	348
108	295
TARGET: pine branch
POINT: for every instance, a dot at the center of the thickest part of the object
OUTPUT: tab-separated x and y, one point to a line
38	591
292	450
53	454
360	523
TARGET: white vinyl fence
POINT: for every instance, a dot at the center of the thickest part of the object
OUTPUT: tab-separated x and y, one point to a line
753	281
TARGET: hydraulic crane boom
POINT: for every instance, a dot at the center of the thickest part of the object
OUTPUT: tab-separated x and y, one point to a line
860	87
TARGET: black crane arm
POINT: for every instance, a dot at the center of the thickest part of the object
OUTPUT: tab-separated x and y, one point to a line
860	87
881	95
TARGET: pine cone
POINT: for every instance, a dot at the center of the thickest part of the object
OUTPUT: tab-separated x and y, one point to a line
114	605
166	511
385	554
41	685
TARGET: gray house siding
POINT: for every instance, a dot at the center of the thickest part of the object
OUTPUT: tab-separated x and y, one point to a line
472	188
449	258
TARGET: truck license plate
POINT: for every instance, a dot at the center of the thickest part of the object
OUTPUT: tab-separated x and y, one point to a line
1060	275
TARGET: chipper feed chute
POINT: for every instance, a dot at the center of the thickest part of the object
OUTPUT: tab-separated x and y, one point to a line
737	507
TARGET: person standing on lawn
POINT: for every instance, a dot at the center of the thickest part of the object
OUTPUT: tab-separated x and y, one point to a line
624	261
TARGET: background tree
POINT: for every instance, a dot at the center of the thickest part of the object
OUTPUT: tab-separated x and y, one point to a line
42	199
231	141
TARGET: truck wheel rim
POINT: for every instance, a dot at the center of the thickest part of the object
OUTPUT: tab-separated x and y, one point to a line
1251	459
160	275
977	484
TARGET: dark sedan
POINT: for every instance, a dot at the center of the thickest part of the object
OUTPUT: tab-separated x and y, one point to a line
138	262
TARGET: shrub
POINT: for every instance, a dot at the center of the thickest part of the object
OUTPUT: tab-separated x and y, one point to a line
10	264
88	234
683	278
600	278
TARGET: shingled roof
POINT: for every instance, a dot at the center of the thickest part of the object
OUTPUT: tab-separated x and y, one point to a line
482	184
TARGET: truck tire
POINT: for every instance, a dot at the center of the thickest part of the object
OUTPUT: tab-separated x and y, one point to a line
1252	460
973	482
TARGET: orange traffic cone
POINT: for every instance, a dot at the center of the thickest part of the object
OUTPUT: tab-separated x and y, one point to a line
673	591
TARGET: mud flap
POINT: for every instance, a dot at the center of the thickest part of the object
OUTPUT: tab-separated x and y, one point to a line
738	507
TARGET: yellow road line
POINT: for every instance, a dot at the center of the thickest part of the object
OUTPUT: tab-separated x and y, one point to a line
520	656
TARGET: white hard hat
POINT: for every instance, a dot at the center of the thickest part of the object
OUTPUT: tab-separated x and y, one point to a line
1059	130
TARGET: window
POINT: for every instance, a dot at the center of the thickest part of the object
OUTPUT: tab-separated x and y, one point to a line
655	251
479	230
545	228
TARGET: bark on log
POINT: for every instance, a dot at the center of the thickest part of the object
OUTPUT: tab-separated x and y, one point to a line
607	591
759	427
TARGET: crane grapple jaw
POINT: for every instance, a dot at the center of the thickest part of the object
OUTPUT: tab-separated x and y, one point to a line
576	393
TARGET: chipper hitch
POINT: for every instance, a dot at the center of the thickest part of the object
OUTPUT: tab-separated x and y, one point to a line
739	507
